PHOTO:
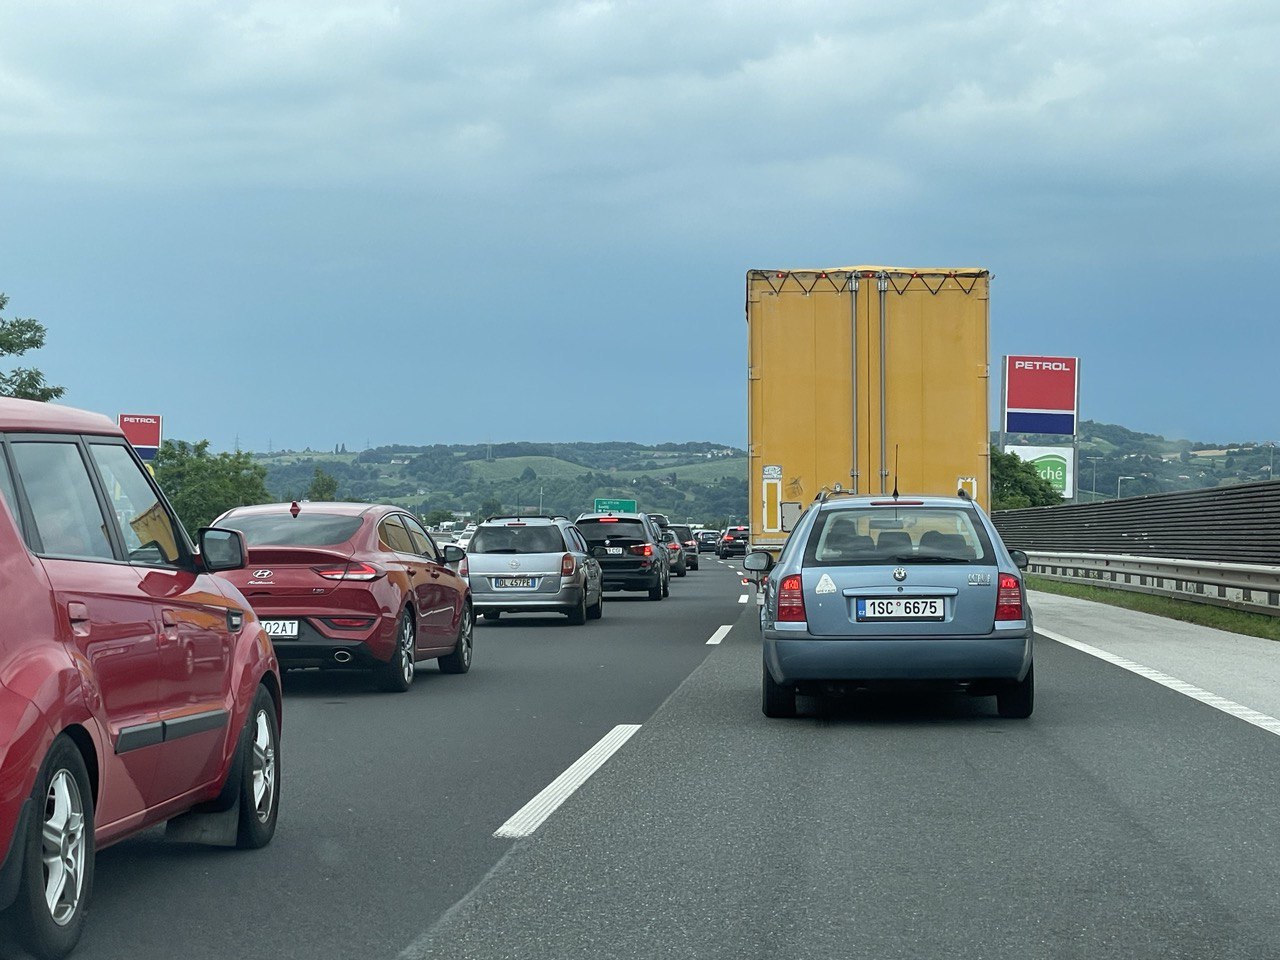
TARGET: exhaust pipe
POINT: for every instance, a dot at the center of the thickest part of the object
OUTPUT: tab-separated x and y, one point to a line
342	656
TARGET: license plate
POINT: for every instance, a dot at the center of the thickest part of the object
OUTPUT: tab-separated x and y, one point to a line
613	551
281	629
900	608
513	581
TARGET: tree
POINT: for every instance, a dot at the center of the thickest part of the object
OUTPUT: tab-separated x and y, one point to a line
437	517
1015	484
324	486
201	485
17	336
490	507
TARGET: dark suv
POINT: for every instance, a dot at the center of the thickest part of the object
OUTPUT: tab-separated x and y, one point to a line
688	543
733	542
630	552
136	684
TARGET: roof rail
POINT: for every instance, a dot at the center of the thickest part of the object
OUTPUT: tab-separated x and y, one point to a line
524	516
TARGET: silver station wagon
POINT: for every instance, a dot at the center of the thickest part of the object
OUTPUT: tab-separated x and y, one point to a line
534	565
882	590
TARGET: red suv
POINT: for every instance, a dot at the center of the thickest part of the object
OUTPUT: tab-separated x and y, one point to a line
350	585
135	687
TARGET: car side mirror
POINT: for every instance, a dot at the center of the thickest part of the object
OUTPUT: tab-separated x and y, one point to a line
1020	559
758	561
452	553
221	549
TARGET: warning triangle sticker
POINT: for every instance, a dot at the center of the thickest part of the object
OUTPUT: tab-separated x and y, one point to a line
825	585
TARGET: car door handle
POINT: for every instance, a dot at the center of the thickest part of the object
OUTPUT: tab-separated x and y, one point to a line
170	634
78	613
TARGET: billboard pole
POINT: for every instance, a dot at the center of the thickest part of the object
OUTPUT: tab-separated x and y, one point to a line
1004	398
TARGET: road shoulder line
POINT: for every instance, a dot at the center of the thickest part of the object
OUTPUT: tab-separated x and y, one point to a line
1241	712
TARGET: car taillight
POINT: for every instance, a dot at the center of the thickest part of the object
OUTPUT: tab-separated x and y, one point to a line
791	600
349	571
1009	598
643	550
350	623
691	543
464	568
673	546
568	565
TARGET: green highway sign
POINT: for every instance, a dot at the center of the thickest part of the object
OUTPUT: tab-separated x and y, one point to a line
615	506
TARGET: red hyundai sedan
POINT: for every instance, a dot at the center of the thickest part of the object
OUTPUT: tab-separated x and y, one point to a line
135	686
354	586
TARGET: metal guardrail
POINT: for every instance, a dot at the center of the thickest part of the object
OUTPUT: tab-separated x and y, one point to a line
1236	524
1219	546
1240	586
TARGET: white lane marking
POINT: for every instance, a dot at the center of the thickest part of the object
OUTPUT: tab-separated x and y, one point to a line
743	598
720	634
1261	720
532	815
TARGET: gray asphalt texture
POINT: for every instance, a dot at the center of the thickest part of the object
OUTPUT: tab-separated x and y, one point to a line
389	801
1121	821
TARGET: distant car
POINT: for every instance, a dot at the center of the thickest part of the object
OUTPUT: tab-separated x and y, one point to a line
675	552
630	552
690	544
661	520
534	565
354	586
707	540
733	542
135	685
879	590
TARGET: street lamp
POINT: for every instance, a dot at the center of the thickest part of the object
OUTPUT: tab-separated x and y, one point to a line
1093	491
1118	479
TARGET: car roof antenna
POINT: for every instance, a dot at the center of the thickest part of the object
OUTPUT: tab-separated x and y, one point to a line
895	471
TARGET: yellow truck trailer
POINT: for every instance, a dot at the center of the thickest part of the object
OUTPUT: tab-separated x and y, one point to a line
858	376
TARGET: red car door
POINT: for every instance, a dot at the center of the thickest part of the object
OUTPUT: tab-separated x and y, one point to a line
396	540
193	634
108	620
448	590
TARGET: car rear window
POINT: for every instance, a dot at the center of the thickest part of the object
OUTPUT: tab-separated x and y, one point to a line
305	530
884	535
683	532
512	539
598	531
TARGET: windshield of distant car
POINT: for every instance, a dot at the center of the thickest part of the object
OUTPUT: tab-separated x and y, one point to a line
283	529
598	531
517	539
905	534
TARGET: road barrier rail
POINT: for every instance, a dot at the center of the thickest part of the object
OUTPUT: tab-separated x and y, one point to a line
1240	586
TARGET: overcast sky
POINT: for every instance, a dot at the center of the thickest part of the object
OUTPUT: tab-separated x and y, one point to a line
303	222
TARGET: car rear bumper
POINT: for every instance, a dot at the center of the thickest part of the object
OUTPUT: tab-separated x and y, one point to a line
639	580
363	648
513	601
791	658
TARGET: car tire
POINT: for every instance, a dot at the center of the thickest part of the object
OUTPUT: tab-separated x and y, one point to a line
777	700
459	661
683	571
695	565
578	612
492	615
63	782
259	774
596	610
396	675
655	592
1017	700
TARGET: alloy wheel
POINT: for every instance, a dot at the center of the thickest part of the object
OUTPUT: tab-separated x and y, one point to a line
63	847
406	649
264	766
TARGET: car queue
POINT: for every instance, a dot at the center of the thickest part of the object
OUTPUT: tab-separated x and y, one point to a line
141	670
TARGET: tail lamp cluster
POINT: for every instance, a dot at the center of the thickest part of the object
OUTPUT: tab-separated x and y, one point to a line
1009	598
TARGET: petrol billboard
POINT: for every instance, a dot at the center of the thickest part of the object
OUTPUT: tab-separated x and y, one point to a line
1041	395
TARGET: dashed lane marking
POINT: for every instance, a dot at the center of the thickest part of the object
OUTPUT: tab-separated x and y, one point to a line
534	813
720	634
743	598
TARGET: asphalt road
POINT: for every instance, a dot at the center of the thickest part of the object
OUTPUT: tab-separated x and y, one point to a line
389	802
1123	820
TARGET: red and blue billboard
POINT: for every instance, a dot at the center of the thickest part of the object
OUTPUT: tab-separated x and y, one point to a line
1041	395
142	430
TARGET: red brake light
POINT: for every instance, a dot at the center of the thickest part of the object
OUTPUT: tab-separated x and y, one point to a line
791	600
464	568
349	571
607	520
568	565
1009	598
643	550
